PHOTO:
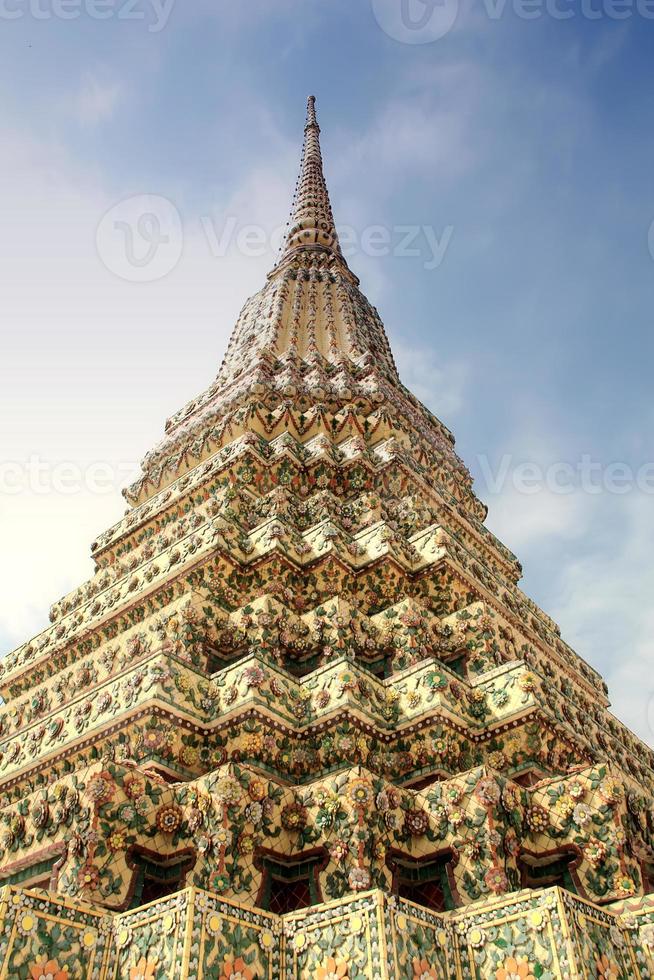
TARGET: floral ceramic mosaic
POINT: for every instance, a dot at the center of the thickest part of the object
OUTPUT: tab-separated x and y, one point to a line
304	669
540	935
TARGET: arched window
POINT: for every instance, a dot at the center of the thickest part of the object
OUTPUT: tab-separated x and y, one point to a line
155	879
37	875
426	881
289	885
528	778
545	870
647	872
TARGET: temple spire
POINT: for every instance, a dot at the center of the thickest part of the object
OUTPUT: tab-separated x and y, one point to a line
312	222
312	120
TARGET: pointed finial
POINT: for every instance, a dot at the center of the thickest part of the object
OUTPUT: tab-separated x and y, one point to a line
312	222
311	113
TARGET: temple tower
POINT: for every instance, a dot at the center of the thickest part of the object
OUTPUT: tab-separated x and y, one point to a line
302	721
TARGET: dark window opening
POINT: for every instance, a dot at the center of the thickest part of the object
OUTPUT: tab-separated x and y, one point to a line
426	781
555	869
300	668
289	886
168	777
155	881
379	668
35	876
527	779
647	872
425	882
288	896
459	665
43	883
429	894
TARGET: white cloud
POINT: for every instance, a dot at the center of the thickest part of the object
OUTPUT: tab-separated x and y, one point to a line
605	605
93	365
590	556
526	521
440	386
517	482
97	100
428	127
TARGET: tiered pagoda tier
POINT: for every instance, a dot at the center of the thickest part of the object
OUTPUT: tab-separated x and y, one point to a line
304	696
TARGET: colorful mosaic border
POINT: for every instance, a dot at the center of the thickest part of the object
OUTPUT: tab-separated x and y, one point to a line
546	935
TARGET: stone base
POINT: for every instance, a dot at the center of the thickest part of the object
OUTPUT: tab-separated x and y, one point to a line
546	934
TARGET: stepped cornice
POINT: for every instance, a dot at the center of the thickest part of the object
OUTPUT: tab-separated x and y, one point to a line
309	337
302	653
473	815
387	712
217	545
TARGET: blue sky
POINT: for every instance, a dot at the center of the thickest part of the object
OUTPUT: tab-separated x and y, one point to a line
525	146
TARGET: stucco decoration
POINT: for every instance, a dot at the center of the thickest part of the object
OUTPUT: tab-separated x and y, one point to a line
302	721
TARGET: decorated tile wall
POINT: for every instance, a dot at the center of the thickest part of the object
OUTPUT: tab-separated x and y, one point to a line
536	935
301	645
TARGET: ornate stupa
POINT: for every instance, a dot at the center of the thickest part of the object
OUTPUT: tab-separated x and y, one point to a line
302	722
